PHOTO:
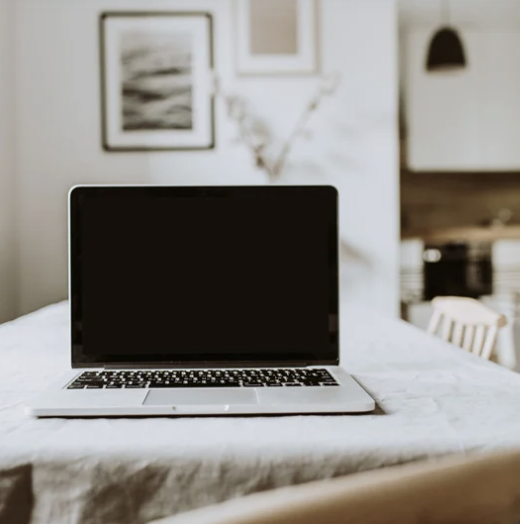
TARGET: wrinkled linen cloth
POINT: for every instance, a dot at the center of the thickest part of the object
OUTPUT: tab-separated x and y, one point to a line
433	400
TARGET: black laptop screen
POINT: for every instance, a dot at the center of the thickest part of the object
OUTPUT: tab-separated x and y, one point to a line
203	274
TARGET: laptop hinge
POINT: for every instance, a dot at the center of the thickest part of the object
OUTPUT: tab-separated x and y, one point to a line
206	365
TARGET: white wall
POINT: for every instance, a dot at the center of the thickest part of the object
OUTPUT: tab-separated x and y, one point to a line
7	194
464	120
354	145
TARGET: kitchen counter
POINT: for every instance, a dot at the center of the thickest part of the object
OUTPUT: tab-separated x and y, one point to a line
463	234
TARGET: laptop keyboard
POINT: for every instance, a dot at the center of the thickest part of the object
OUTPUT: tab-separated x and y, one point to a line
207	378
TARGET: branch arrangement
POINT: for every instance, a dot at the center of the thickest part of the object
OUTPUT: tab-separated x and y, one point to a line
255	133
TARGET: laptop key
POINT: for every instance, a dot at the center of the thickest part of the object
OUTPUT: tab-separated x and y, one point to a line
205	378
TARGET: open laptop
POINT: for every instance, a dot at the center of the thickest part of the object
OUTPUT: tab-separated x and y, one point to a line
203	301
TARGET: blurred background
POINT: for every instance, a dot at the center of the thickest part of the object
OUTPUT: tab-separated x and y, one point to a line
409	107
460	160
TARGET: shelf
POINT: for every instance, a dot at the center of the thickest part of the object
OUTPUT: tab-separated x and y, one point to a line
463	234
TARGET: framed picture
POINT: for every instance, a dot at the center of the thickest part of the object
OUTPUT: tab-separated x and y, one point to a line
157	81
276	37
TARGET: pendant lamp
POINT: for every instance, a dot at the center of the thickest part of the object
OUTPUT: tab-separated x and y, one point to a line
446	51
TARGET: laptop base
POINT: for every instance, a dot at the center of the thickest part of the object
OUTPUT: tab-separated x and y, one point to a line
58	401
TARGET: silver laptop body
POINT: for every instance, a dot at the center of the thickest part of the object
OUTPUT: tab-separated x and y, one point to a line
203	301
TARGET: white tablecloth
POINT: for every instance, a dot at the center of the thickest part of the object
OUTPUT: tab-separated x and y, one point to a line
433	400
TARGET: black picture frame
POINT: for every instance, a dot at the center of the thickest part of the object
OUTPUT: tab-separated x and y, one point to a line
158	138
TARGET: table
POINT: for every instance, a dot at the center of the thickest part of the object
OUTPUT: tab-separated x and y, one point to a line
433	400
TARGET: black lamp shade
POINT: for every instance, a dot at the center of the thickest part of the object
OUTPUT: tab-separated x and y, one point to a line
446	51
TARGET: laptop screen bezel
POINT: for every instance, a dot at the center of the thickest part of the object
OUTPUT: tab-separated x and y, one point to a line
80	359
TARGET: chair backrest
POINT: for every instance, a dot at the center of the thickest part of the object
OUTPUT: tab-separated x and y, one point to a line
467	323
474	489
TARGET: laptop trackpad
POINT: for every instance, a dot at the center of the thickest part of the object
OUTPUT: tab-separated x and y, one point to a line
209	396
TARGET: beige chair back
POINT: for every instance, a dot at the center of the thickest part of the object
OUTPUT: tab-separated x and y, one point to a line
462	489
467	323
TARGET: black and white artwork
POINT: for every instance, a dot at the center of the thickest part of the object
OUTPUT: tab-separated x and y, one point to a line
157	81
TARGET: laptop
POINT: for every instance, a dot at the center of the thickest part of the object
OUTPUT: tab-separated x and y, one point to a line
203	301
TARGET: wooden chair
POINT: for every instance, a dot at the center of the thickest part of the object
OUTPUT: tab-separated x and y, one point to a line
474	489
467	323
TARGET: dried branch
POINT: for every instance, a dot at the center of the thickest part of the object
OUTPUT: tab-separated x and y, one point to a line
256	135
328	86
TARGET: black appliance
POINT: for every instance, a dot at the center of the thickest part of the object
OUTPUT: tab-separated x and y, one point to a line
457	269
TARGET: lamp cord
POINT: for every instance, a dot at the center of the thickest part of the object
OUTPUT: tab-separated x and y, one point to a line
445	6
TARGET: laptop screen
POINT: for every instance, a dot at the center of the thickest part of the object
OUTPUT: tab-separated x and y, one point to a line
204	275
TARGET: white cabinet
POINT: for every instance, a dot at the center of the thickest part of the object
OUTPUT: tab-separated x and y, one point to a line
468	120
